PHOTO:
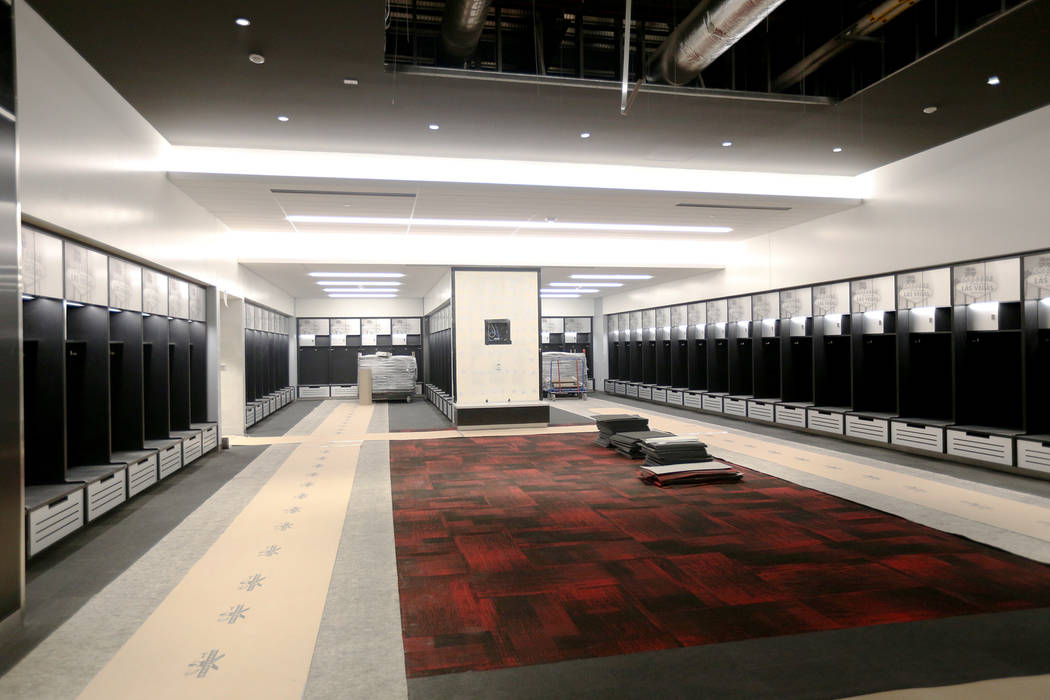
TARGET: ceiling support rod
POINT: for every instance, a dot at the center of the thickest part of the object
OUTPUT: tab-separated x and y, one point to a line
626	57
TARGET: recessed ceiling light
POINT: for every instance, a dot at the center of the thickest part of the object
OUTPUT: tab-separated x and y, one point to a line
433	127
357	274
368	295
360	283
993	80
585	134
548	295
499	223
837	149
361	290
589	284
576	290
257	58
350	81
727	144
282	118
242	21
929	110
611	277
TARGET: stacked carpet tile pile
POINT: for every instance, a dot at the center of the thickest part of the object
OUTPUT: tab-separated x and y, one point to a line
682	474
679	449
630	444
391	374
609	425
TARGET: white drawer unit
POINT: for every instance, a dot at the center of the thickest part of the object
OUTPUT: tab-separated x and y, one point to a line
917	436
621	388
169	459
712	402
106	494
998	449
645	392
610	386
675	398
824	421
313	392
50	522
209	436
1033	454
249	416
344	392
867	428
693	399
142	474
659	395
790	415
419	389
191	445
761	410
632	391
734	407
272	401
262	409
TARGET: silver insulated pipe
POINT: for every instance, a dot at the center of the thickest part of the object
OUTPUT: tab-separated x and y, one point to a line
709	30
461	26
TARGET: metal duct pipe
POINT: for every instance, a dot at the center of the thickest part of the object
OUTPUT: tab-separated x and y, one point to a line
710	29
461	26
861	28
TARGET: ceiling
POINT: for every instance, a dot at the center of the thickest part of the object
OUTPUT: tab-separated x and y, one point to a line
254	203
294	278
185	68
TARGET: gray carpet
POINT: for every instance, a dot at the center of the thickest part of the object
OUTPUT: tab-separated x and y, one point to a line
816	665
63	578
418	415
283	420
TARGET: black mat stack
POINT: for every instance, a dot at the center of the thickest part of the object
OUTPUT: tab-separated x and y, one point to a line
629	444
678	449
618	423
685	474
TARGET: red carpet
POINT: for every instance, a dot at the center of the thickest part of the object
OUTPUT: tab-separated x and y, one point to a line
526	550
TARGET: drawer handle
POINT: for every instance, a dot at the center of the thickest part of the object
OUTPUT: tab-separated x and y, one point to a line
974	433
824	413
864	418
918	426
111	477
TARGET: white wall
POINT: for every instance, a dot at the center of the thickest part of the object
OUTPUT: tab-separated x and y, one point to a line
354	308
978	196
496	373
438	294
90	164
567	307
231	367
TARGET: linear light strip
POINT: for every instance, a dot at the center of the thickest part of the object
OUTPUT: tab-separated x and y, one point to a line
359	283
356	274
585	284
498	223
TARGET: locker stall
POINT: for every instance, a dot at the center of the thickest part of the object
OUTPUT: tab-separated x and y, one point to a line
874	357
832	359
437	368
696	346
717	356
634	351
1033	448
740	357
612	331
679	374
94	389
266	385
796	357
648	354
989	361
766	363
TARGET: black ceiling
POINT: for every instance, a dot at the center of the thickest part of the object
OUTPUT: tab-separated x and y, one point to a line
184	66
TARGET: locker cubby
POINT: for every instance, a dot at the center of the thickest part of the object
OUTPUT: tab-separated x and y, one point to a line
875	367
314	365
989	376
717	361
925	356
697	358
125	381
179	374
741	359
664	362
796	357
155	376
636	360
832	365
648	375
767	367
199	372
87	386
614	360
44	391
1037	367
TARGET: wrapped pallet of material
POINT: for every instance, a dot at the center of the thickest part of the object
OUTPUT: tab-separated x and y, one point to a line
564	370
391	374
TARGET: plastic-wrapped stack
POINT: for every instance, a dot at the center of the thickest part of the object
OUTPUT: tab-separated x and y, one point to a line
391	374
564	370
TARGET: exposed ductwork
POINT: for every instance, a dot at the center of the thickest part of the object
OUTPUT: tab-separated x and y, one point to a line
861	28
461	26
709	30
